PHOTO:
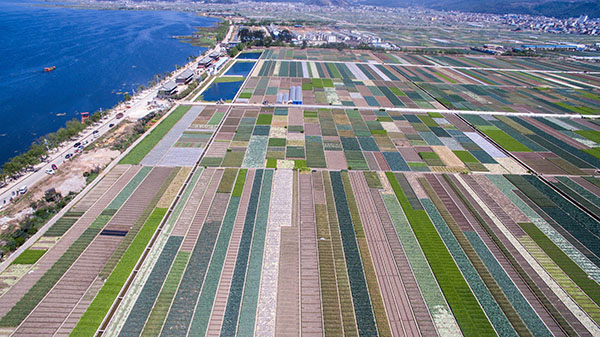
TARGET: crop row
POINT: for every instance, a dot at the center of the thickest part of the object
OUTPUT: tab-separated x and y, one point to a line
507	188
580	189
434	299
57	270
468	313
138	153
231	317
575	156
139	313
163	302
341	273
590	287
497	317
181	313
564	277
499	308
362	303
62	225
182	309
211	282
93	316
567	221
253	274
184	197
37	292
588	200
508	296
257	150
279	214
120	316
383	326
29	256
332	316
513	258
126	192
135	227
526	312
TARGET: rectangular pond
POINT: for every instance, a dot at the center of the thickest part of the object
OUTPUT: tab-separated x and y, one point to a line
221	90
240	68
252	55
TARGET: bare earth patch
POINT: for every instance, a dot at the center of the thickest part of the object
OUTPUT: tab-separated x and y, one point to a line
71	179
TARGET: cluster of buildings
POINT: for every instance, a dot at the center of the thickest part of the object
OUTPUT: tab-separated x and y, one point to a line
316	36
489	48
172	87
210	64
213	62
541	47
581	25
496	49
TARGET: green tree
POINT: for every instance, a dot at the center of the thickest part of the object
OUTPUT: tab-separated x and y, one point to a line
268	41
11	168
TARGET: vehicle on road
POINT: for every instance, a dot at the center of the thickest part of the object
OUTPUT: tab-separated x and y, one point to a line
54	167
23	189
68	155
85	142
95	132
50	171
77	144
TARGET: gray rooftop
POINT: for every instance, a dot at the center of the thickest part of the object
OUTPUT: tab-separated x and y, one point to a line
185	74
169	86
205	59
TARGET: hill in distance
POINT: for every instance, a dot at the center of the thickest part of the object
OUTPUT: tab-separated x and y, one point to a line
551	8
554	8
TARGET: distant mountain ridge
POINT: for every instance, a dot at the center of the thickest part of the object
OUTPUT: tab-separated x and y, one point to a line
551	8
554	8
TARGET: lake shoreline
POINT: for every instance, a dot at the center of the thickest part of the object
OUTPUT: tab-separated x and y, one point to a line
77	59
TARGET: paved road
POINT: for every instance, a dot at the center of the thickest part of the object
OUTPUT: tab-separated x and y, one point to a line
464	112
57	157
542	71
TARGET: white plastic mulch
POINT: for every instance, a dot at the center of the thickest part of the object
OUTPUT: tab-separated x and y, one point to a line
280	214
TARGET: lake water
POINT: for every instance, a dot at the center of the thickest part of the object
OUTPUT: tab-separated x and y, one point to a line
98	54
240	69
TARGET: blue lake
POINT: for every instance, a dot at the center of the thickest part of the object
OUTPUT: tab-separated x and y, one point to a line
253	55
98	54
240	69
222	90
